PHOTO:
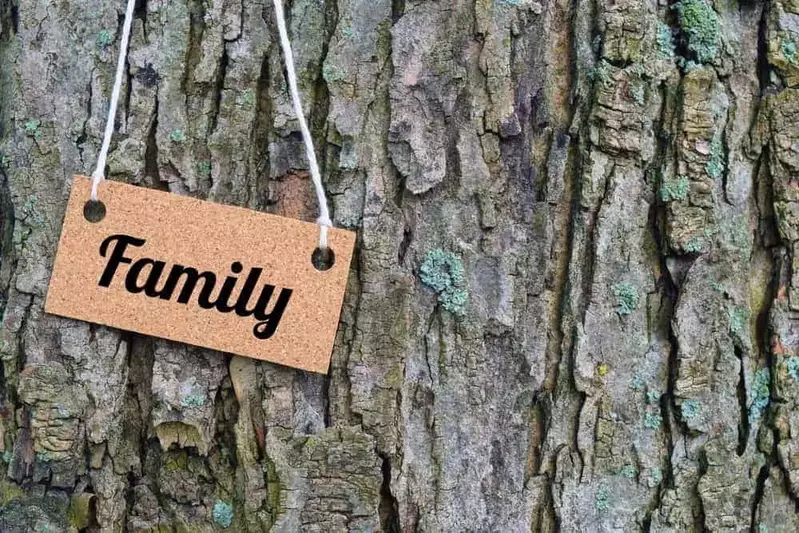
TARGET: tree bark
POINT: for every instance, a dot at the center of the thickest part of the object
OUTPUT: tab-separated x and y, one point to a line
615	178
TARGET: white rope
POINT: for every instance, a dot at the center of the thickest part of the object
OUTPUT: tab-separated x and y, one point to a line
316	177
99	173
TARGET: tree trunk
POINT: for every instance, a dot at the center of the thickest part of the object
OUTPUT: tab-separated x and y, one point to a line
613	177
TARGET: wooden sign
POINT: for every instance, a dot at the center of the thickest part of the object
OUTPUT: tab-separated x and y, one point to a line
207	274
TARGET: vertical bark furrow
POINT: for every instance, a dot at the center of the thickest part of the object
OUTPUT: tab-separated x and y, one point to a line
773	135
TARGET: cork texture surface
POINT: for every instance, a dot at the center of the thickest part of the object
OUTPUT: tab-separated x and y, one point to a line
206	274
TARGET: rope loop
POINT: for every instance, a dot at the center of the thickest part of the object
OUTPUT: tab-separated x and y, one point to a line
99	172
316	176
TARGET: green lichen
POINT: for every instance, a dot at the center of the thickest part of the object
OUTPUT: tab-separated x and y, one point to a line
32	128
223	514
674	189
333	73
740	236
694	245
175	461
738	316
177	136
638	382
628	471
690	408
718	287
9	492
44	457
204	168
104	38
637	93
788	49
193	400
626	298
652	420
602	498
346	32
760	393
700	25
715	165
665	40
640	70
793	367
30	213
246	97
454	301
273	486
652	397
79	512
654	478
443	272
602	73
689	64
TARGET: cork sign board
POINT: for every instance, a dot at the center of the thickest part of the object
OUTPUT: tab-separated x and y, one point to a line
206	274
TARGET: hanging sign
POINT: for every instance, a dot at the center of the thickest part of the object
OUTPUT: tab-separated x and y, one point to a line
206	274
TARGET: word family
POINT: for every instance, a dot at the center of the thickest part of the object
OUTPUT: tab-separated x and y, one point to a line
151	277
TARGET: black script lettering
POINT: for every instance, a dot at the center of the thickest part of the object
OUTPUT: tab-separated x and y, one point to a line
246	293
156	268
120	242
268	320
222	304
189	284
268	326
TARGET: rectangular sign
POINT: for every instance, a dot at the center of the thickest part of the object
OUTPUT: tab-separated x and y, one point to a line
207	274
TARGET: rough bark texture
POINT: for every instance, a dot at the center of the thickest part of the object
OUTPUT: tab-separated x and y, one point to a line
617	180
